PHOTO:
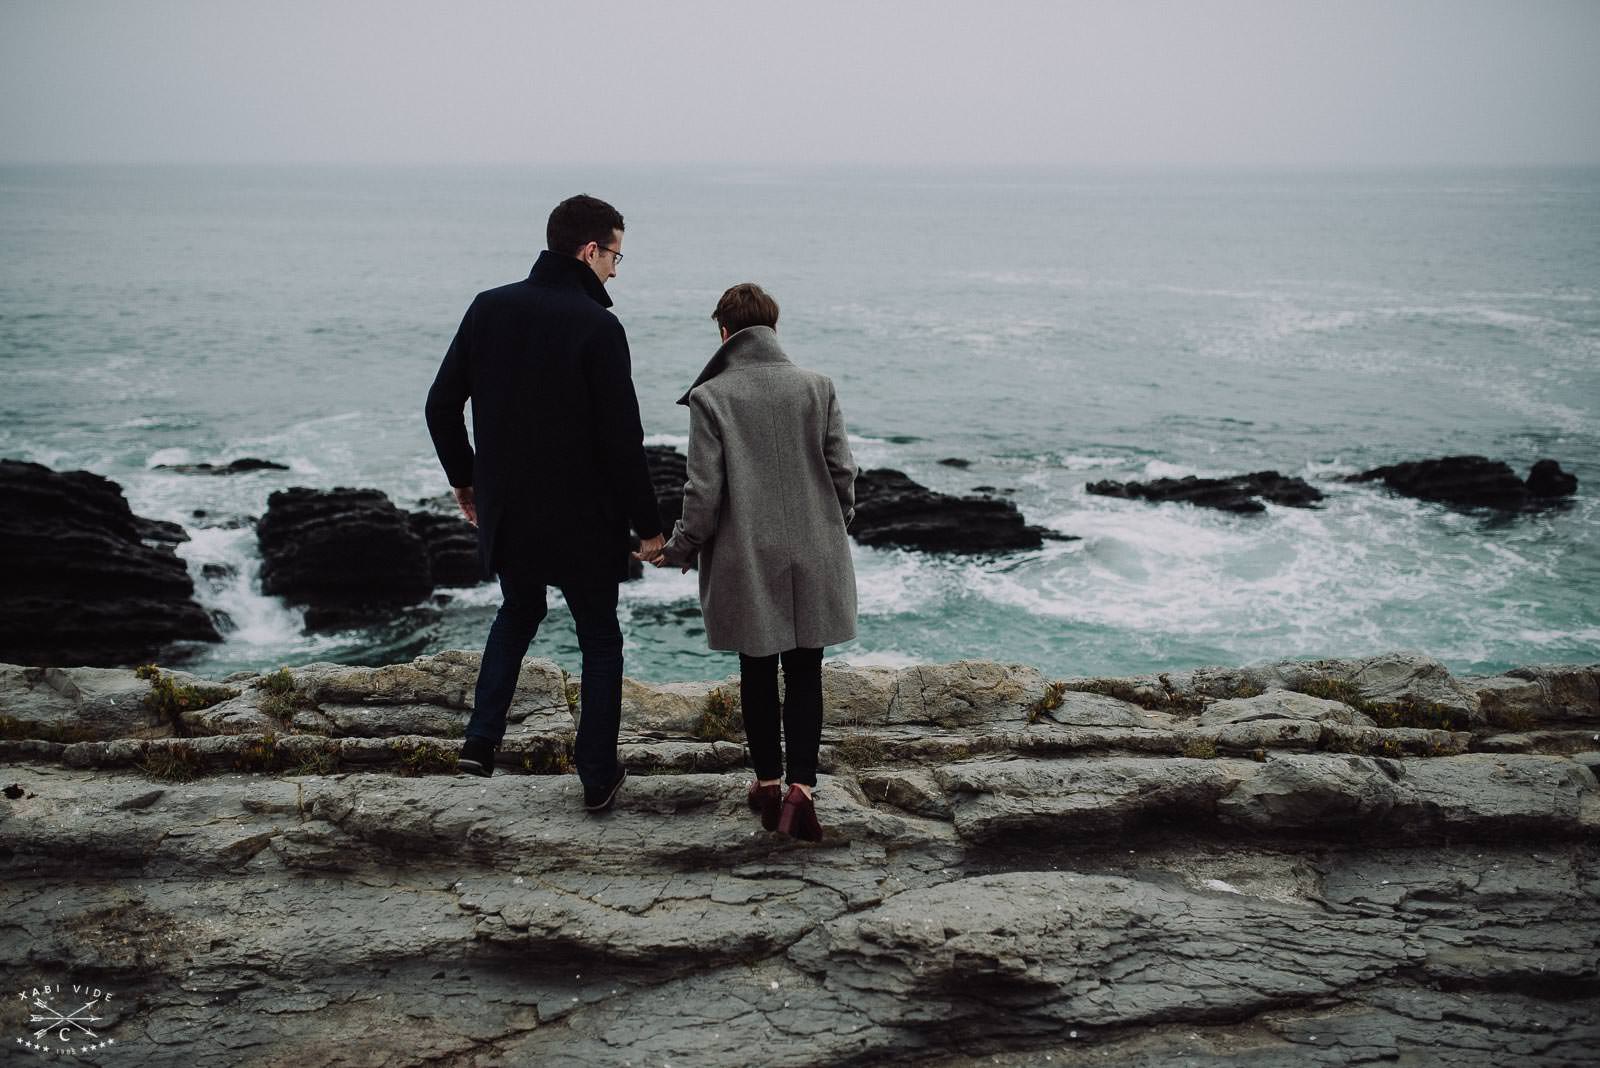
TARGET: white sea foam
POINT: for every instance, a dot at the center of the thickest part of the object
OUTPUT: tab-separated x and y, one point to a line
895	582
481	596
176	454
663	585
1076	462
302	465
1285	320
889	658
261	621
1154	469
1352	575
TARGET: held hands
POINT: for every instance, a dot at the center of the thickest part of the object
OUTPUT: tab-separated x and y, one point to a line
469	506
650	552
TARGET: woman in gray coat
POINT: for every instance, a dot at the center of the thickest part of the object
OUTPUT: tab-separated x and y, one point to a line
771	489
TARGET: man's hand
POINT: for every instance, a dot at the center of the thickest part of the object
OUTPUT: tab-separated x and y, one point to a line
469	507
650	550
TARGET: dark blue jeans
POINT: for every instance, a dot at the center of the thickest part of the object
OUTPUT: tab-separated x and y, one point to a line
594	611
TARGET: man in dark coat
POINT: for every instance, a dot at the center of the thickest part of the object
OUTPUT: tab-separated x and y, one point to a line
558	475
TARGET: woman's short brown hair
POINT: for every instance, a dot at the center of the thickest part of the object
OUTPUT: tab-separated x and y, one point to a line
746	304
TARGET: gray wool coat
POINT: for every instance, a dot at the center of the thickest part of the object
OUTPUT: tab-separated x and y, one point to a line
770	491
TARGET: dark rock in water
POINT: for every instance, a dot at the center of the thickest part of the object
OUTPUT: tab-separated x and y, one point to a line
1241	493
158	530
1472	482
956	461
349	550
86	581
669	470
452	548
1286	490
234	468
440	504
891	509
205	520
219	577
1548	480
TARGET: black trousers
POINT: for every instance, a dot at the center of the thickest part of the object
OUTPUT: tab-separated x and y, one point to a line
802	713
594	613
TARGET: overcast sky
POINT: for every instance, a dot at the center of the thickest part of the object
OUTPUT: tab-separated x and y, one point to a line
1252	82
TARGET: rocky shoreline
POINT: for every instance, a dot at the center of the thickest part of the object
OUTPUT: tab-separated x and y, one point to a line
92	583
1310	862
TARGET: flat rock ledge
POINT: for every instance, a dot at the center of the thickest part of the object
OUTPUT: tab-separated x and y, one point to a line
1330	862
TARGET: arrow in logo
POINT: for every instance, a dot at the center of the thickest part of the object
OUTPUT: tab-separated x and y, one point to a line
55	1019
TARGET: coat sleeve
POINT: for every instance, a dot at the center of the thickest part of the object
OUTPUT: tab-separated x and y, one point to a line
702	493
618	428
452	386
841	465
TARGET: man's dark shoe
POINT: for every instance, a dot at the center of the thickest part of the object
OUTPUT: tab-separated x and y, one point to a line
599	798
476	757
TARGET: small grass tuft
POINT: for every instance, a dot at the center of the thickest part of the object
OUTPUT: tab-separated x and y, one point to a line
1414	712
279	683
1166	701
719	720
1055	694
317	762
553	758
278	706
1341	690
1332	741
172	763
260	754
283	698
1409	711
859	749
13	729
424	758
1518	720
168	701
1201	748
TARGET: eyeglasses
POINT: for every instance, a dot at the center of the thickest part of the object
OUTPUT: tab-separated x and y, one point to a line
616	257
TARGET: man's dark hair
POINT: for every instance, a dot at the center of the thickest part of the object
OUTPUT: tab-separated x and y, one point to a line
579	220
746	304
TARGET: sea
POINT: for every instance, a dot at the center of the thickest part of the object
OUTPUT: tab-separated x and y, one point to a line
1050	327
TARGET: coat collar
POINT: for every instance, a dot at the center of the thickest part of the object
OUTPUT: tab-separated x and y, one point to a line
554	269
752	345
